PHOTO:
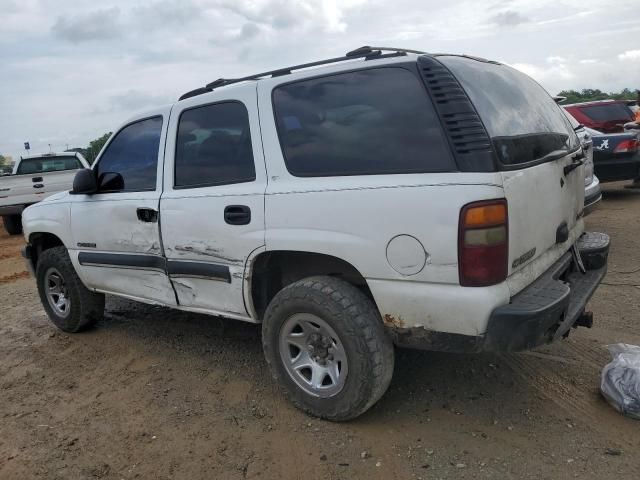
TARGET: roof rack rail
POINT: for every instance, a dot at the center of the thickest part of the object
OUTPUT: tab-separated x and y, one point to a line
366	52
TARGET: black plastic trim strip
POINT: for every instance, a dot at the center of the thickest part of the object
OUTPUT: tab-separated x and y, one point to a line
122	260
470	143
175	268
197	269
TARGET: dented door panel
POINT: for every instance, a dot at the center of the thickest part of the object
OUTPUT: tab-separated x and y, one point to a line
209	231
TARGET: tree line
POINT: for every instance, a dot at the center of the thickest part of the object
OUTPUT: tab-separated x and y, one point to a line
591	94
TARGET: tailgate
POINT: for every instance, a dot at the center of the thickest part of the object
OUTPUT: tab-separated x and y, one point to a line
545	206
540	159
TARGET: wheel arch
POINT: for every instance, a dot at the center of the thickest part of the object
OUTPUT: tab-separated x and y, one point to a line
272	270
41	241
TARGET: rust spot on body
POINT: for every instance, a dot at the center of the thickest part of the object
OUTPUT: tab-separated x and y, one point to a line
391	321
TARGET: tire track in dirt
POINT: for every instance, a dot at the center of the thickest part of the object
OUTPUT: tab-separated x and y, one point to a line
13	277
574	387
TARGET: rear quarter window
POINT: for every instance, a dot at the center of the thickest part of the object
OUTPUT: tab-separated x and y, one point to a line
525	124
367	122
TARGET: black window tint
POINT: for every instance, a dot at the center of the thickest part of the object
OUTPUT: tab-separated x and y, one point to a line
524	122
608	112
48	164
374	121
214	146
133	153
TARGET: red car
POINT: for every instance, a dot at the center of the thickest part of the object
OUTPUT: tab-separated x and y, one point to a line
606	116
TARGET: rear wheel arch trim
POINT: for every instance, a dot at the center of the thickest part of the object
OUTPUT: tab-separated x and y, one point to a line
260	253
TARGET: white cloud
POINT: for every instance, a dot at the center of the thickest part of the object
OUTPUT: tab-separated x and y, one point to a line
633	55
98	63
556	59
99	24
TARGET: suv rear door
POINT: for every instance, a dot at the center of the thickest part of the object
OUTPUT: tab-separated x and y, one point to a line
534	144
212	207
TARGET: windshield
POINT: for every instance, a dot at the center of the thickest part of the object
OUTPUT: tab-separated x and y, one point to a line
47	164
525	124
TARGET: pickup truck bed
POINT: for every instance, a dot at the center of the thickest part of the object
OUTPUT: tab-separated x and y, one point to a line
34	178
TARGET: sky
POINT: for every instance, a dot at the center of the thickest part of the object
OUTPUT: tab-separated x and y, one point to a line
73	70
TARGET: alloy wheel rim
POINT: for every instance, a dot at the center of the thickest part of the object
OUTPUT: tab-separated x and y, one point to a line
57	292
313	355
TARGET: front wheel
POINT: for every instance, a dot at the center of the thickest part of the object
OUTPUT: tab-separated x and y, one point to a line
326	346
68	303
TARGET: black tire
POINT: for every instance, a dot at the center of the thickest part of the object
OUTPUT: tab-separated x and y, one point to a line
85	307
357	323
12	224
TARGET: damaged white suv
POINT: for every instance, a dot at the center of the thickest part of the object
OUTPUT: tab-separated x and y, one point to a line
384	197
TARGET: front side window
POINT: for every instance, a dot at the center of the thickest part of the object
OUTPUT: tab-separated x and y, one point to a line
525	124
133	154
48	164
367	122
214	146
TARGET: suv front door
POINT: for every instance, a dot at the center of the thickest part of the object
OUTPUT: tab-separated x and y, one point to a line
212	207
116	235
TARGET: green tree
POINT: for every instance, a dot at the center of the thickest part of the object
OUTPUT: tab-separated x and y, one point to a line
95	146
6	164
591	94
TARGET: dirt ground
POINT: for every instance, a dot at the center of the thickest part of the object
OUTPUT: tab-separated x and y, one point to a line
153	393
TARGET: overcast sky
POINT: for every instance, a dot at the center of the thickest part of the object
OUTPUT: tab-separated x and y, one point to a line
72	70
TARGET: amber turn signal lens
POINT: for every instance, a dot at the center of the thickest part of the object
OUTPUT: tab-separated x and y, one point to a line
485	215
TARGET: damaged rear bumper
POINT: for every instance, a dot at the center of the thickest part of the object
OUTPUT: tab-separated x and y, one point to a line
541	313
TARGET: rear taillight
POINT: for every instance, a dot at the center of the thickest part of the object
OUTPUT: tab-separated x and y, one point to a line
625	146
483	243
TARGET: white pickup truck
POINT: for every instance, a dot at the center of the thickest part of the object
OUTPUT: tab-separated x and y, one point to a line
387	197
34	178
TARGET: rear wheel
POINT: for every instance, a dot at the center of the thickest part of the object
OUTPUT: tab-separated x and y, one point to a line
326	346
12	224
68	303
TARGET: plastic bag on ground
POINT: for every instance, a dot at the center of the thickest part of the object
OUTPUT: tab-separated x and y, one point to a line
620	382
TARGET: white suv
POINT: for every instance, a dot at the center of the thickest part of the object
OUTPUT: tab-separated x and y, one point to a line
384	197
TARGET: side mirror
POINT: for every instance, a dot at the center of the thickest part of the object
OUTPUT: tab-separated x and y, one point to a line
110	182
84	182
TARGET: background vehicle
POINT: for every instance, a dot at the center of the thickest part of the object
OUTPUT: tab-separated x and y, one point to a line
34	178
592	190
616	156
391	196
606	116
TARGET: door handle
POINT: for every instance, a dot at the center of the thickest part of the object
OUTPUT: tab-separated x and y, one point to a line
148	215
237	214
38	185
36	179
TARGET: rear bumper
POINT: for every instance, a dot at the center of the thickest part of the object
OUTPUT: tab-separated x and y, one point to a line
618	167
541	313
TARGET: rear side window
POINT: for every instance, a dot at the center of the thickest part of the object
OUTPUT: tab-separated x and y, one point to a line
525	124
374	121
48	164
609	112
133	153
214	146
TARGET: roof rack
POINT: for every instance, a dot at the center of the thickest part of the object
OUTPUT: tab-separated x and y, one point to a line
366	52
